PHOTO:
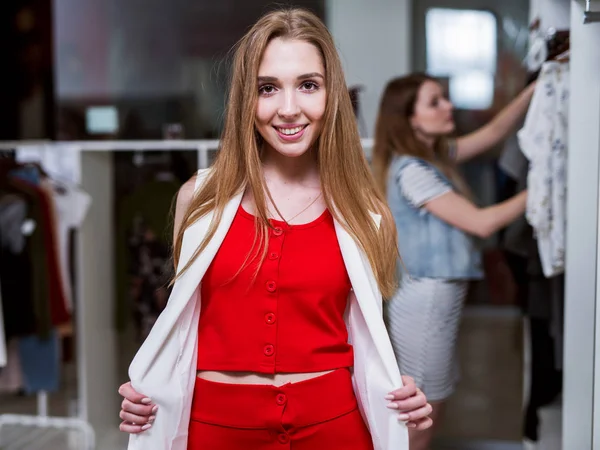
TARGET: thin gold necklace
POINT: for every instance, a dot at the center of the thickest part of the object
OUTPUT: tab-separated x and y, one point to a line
289	220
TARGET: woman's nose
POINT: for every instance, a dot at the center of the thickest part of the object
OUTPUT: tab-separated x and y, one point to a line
289	107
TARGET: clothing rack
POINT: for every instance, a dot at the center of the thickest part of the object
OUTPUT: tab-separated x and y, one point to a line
590	16
47	424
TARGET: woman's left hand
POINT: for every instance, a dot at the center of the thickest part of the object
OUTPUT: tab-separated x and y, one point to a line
411	404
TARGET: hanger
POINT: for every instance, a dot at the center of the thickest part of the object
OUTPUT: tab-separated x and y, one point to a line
564	56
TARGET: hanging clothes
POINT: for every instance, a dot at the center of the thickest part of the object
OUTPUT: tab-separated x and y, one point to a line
72	205
11	376
543	140
23	281
143	256
33	280
541	298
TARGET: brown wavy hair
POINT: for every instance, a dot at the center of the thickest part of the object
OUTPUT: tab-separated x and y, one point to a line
395	135
349	188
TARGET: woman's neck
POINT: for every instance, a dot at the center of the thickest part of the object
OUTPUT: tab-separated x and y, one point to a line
290	170
426	139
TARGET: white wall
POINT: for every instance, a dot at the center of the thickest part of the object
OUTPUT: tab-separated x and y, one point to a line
552	13
581	394
373	38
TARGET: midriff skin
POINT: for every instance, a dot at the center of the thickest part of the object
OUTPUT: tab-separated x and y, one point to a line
278	379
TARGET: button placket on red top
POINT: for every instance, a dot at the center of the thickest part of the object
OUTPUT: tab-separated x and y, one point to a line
271	272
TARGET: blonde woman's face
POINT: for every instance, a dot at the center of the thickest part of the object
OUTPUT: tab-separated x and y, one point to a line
291	97
433	111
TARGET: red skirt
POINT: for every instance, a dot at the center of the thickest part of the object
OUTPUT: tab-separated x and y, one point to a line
320	413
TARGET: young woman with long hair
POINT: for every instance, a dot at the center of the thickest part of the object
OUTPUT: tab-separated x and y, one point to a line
274	332
415	162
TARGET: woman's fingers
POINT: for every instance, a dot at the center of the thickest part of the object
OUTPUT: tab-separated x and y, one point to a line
135	419
416	414
408	390
421	424
130	428
409	404
125	390
139	410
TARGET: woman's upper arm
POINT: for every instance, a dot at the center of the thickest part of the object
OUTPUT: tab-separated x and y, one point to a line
457	211
184	198
419	184
424	188
475	143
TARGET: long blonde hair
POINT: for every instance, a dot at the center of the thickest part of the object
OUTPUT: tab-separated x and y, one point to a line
348	186
395	135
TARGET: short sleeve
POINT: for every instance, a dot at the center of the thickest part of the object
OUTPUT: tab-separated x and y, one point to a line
420	184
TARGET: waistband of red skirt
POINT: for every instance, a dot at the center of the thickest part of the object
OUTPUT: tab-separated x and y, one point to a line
254	406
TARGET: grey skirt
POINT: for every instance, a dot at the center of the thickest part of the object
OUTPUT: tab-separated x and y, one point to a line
422	321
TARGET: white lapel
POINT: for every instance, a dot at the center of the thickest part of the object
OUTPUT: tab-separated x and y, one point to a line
369	298
192	239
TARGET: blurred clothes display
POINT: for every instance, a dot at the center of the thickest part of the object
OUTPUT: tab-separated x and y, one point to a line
147	186
11	375
543	140
35	285
536	256
144	262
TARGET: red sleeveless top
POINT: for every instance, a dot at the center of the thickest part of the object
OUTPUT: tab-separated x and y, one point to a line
289	317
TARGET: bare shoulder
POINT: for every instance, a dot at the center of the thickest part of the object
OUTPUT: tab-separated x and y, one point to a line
186	193
184	199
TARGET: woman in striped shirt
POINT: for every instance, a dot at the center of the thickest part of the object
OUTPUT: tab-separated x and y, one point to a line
415	162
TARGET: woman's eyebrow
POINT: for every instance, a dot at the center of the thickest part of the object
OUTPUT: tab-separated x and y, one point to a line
268	79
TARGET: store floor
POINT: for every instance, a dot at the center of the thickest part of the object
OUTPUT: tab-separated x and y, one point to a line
484	414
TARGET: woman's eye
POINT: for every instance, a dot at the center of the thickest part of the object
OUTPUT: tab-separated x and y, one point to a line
309	86
267	89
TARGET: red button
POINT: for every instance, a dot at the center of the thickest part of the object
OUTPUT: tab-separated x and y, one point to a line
277	231
269	350
271	286
280	399
283	438
270	318
273	255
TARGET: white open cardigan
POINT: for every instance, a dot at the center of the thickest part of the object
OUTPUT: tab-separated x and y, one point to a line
164	368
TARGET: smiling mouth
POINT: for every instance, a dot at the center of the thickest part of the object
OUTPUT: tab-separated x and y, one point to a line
291	131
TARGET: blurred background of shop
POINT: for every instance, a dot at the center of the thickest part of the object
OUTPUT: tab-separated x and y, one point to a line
138	70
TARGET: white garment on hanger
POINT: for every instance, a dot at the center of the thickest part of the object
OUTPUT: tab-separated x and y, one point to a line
544	141
11	377
72	204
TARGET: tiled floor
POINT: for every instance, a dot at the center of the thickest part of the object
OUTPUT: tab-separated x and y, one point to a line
484	414
489	397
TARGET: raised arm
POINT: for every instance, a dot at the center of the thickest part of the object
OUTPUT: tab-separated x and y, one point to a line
498	129
459	212
424	188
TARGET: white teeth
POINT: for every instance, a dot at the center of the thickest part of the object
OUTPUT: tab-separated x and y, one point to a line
290	131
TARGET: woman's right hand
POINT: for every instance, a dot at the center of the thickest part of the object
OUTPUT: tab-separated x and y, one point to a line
137	411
